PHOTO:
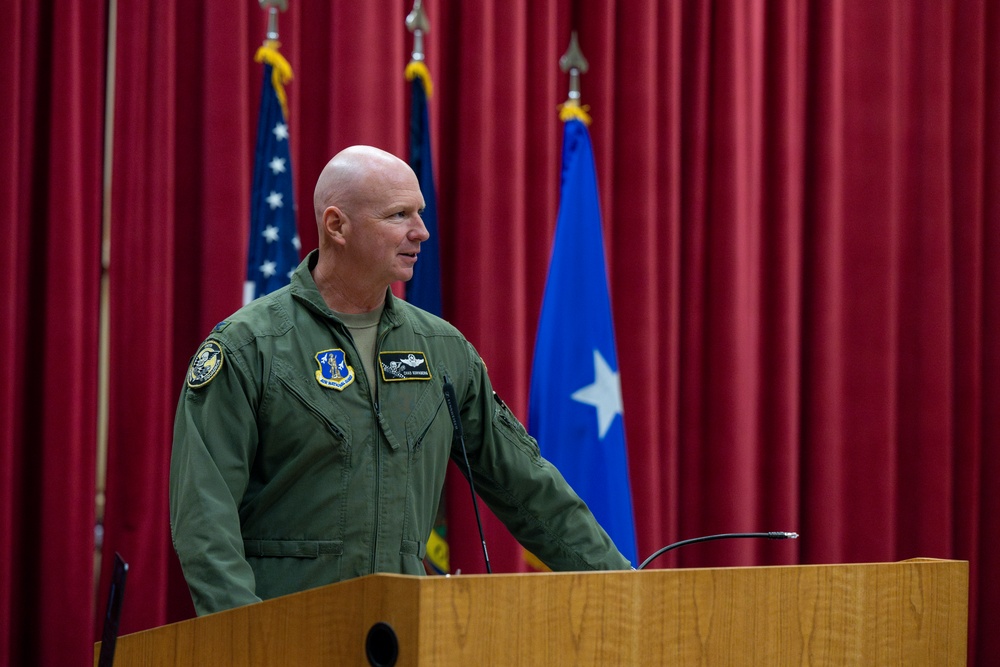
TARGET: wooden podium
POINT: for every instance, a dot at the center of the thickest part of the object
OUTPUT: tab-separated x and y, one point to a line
909	613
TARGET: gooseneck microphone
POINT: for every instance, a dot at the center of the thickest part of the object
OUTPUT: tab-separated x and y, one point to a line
450	400
773	535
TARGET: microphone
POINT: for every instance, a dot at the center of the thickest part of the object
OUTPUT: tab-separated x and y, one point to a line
773	535
450	400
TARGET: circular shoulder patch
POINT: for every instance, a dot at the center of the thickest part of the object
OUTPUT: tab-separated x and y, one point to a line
205	365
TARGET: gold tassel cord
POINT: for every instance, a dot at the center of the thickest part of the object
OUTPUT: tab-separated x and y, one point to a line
281	71
571	109
415	68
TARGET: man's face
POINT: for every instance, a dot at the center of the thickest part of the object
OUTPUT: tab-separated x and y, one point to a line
384	229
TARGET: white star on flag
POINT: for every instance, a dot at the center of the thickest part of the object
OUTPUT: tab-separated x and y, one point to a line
268	268
280	131
297	243
277	165
270	233
274	200
605	394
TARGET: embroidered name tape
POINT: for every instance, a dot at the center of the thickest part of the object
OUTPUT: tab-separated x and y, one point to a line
333	373
205	364
402	366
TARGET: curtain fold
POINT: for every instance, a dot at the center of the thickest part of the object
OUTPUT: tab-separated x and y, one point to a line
801	223
144	221
180	219
51	213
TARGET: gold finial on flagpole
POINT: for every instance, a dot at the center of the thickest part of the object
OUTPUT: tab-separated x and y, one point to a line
417	23
273	7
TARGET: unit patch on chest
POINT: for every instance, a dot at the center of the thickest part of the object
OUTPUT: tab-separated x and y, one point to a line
334	373
401	366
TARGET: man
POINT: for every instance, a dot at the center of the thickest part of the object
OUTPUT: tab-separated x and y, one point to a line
312	436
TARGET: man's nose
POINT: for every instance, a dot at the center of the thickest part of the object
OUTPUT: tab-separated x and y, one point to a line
419	231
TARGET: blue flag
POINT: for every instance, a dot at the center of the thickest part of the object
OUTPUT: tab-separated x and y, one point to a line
274	239
575	405
424	288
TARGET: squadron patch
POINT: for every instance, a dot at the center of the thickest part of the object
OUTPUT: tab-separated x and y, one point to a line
205	365
333	373
400	366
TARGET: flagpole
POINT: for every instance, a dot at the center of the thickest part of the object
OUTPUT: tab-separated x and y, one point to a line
273	7
417	23
575	64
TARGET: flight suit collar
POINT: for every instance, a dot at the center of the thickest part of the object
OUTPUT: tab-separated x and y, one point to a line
304	289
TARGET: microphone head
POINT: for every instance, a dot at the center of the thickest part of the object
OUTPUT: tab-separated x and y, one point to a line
451	401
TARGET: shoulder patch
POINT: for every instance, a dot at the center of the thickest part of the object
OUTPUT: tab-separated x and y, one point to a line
220	326
205	365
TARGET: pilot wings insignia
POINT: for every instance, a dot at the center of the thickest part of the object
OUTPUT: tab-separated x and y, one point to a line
401	366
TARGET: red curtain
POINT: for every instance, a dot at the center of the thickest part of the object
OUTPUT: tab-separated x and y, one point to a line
802	233
52	137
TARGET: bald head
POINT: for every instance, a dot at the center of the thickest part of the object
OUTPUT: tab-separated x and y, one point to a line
368	204
352	176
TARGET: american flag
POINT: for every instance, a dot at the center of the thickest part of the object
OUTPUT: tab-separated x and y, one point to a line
274	240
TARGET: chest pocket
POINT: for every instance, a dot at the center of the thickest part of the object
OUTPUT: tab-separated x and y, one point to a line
428	423
298	412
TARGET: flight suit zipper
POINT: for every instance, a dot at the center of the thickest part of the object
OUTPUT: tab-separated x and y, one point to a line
378	452
337	432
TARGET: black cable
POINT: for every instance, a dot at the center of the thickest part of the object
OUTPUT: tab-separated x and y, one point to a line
451	401
773	535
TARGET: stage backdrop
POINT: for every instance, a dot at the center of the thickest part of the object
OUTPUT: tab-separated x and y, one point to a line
800	206
51	133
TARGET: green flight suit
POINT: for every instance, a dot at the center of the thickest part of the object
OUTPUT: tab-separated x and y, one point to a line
285	475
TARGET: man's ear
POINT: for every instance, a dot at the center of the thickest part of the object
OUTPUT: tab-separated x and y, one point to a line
334	222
